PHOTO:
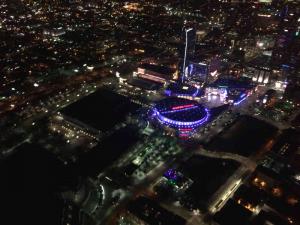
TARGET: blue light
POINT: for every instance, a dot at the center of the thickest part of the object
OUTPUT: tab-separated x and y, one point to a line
242	95
240	101
196	93
181	124
168	92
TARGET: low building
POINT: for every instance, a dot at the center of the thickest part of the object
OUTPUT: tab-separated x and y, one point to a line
98	113
144	211
160	74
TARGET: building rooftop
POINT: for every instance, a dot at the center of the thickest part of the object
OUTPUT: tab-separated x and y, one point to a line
158	69
101	110
208	175
108	151
244	137
144	84
233	83
152	213
233	214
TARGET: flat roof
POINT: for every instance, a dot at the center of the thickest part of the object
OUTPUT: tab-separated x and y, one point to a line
107	152
144	84
101	110
208	174
233	214
182	89
152	213
158	69
244	137
228	82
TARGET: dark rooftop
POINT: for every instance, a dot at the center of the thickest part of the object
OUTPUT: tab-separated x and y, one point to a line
109	150
269	218
144	84
233	214
208	175
182	90
245	136
152	213
233	83
158	69
101	110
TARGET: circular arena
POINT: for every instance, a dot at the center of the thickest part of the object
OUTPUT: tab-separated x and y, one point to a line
180	113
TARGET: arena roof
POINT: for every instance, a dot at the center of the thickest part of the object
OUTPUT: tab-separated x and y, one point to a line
181	113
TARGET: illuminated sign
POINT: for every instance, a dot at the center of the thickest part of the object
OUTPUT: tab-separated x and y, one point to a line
182	107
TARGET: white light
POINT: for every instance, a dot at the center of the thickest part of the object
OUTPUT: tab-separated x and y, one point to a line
90	68
264	100
260	44
35	84
278	84
214	73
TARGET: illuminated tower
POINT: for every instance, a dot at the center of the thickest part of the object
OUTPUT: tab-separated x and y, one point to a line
189	49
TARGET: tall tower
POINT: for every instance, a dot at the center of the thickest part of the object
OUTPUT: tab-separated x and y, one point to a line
189	49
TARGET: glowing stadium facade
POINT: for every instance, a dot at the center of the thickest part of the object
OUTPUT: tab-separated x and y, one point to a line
180	113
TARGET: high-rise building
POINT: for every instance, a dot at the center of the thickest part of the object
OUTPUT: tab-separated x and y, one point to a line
189	48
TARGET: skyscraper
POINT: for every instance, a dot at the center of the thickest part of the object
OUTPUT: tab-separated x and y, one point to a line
189	48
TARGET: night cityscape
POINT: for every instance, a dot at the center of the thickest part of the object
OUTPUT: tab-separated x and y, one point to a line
150	112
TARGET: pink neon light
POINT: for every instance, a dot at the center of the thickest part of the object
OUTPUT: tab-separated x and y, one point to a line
185	129
182	107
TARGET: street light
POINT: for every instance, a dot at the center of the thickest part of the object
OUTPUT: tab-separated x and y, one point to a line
185	52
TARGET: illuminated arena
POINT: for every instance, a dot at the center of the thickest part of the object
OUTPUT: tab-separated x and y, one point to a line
180	113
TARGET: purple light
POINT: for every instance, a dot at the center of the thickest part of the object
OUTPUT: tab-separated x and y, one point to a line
171	174
168	92
196	93
181	124
174	93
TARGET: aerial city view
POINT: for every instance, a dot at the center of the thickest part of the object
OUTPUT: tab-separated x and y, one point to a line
150	112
